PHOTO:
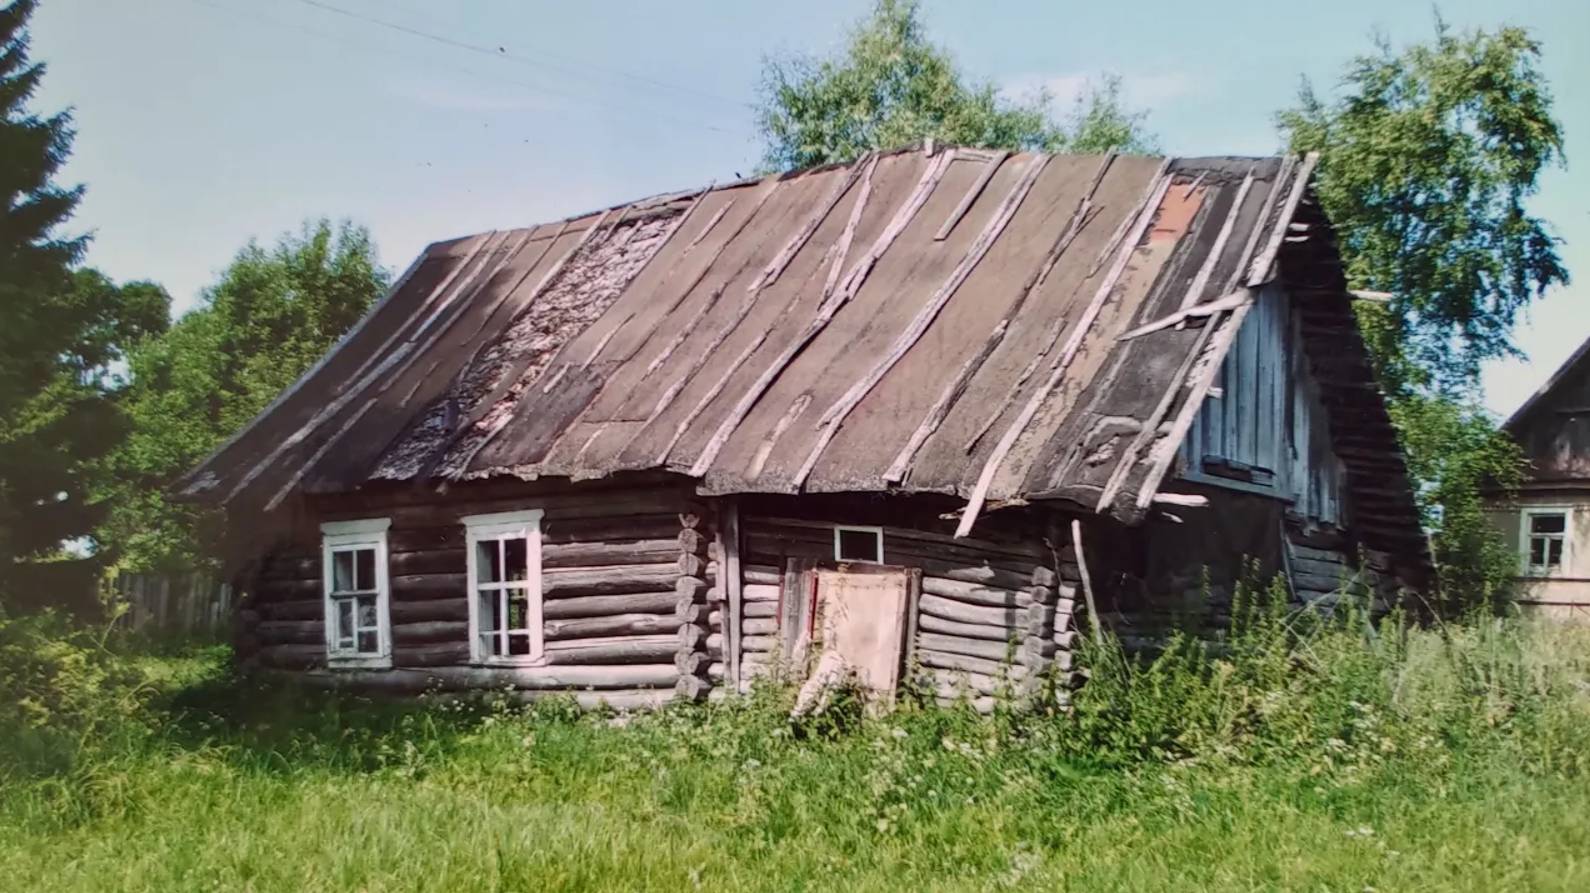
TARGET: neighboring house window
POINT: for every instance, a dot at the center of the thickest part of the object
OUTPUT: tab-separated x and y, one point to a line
858	544
1544	541
358	631
505	586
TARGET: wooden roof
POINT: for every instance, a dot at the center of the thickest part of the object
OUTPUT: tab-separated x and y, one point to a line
997	326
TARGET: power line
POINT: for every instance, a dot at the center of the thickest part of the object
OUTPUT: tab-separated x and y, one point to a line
539	88
578	67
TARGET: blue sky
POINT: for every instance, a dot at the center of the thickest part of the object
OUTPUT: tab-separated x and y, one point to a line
202	123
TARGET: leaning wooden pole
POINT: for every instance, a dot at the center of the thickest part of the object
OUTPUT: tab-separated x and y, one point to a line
1087	582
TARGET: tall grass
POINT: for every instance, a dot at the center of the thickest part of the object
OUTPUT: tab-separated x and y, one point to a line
1336	755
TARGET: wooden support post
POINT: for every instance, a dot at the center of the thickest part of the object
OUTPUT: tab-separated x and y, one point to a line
1087	582
729	522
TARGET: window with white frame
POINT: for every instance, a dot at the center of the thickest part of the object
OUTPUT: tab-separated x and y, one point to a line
505	586
1544	540
353	557
863	544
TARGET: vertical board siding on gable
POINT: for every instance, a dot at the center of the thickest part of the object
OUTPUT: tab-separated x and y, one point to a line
1268	419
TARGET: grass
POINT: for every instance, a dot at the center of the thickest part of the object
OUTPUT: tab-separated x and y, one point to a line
1411	760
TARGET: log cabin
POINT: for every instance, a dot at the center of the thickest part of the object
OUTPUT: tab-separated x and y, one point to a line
922	410
1546	520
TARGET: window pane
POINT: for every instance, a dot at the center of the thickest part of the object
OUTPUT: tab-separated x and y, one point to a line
488	561
1547	523
490	615
516	609
488	643
341	571
367	612
364	569
344	622
1554	553
514	558
367	644
519	643
858	545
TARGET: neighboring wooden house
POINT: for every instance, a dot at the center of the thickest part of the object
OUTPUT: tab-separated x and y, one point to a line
863	410
1547	521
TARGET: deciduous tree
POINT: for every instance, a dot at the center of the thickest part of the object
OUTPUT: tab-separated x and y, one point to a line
273	313
891	87
1427	160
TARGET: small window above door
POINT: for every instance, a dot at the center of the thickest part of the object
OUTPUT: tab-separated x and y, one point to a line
864	544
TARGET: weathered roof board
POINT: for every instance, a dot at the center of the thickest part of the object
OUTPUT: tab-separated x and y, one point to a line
917	321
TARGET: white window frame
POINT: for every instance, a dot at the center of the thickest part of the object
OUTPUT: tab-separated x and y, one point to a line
1525	543
497	526
877	532
347	536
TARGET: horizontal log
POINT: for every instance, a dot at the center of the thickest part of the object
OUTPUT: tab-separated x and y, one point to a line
412	682
759	626
288	566
763	644
757	610
761	573
945	660
601	554
612	625
995	651
408	587
612	650
988	631
953	609
430	631
446	531
435	654
950	683
976	594
1326	568
905	534
289	590
460	678
607	605
430	609
715	671
751	611
301	609
759	592
613	508
427	561
1322	582
611	580
290	632
291	657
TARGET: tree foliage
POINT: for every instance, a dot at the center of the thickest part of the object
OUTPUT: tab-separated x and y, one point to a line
63	332
272	314
891	87
1426	162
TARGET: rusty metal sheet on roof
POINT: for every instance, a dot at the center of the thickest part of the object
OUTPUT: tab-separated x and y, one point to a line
998	326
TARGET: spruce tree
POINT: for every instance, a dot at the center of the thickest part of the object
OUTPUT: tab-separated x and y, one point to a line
62	330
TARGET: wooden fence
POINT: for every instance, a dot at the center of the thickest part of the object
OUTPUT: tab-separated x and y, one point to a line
186	604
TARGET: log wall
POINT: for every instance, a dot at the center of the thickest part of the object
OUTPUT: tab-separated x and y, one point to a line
625	582
992	615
